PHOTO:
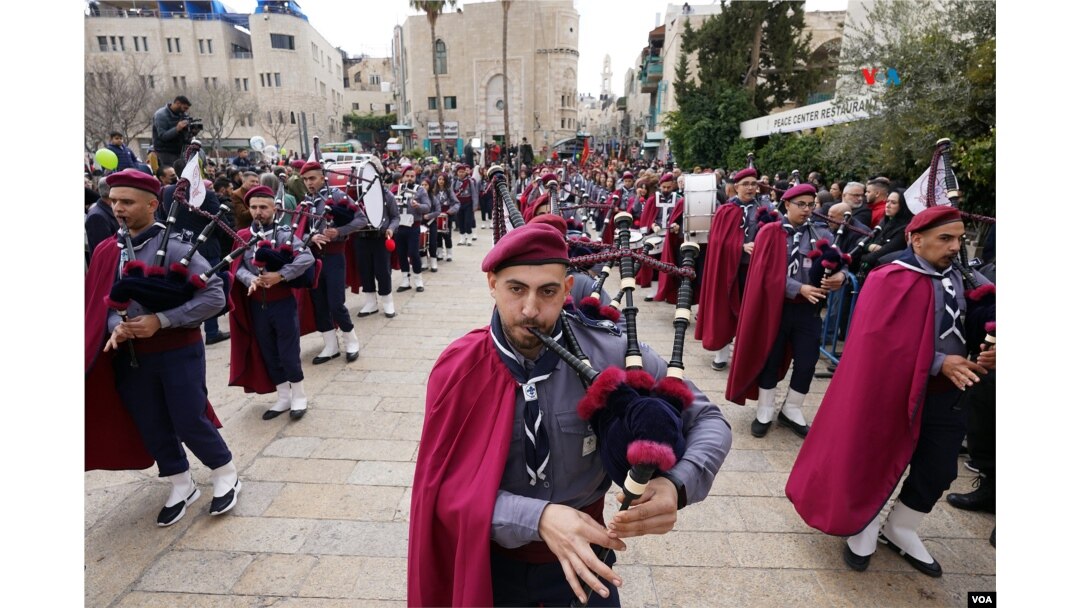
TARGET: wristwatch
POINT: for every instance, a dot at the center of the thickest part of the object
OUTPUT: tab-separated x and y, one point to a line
679	487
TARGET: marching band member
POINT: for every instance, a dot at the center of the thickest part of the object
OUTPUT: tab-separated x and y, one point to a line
660	217
873	424
328	298
136	416
265	311
443	203
466	191
509	505
793	319
415	205
373	256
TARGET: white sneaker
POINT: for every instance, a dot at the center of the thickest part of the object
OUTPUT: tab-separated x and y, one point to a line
419	284
449	255
387	302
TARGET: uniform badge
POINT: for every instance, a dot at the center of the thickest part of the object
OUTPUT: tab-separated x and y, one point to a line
589	445
186	236
530	392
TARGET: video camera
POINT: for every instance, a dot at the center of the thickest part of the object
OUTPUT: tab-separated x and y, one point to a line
194	126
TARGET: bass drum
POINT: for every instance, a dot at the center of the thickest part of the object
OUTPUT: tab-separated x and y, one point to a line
699	205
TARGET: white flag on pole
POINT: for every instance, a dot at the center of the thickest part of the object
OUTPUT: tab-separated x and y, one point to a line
197	191
916	195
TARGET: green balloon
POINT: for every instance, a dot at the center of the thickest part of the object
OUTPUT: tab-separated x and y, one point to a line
106	159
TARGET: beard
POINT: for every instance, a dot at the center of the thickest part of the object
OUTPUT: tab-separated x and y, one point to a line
521	338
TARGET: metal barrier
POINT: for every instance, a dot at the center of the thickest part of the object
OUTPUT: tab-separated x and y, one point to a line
830	329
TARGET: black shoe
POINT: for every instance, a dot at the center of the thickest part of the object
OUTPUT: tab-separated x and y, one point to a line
405	287
366	314
271	414
218	337
800	429
831	368
321	360
719	366
932	569
223	504
297	414
350	357
983	498
420	289
170	515
857	563
758	428
649	298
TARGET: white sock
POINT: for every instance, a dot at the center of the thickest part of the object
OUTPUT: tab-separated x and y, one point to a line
419	281
864	543
330	345
182	487
434	264
369	302
223	478
284	395
387	302
793	407
352	343
766	404
900	529
723	355
299	397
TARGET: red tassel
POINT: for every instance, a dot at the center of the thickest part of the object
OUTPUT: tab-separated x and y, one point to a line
155	271
589	302
197	281
640	380
135	268
179	269
611	313
650	453
981	292
991	327
822	243
113	304
814	254
669	386
596	397
286	249
846	257
264	243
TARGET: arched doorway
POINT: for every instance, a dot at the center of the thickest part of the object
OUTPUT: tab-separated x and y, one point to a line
493	107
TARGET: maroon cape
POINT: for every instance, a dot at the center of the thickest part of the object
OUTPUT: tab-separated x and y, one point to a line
462	454
667	287
112	442
759	317
718	307
646	273
246	366
866	429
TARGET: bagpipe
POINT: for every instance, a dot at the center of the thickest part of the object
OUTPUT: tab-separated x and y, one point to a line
155	287
638	420
272	257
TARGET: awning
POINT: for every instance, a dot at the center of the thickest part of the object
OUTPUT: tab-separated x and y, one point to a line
650	144
401	127
656	135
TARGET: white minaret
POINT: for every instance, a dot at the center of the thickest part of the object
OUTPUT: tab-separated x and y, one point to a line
605	88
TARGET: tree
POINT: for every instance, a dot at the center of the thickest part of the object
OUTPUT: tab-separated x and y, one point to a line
276	127
223	110
944	55
506	81
433	8
118	98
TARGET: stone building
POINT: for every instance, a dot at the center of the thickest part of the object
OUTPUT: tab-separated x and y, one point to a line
272	64
542	67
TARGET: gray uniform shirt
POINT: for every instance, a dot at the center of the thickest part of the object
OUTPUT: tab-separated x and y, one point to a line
575	475
303	260
206	302
423	201
799	274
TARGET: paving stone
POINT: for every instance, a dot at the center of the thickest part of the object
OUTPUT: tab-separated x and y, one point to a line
715	513
381	473
149	599
300	470
195	572
346	424
322	501
679	548
638	590
366	449
812	550
252	534
845	588
357	538
738	483
745	460
255	497
710	586
274	574
769	515
352	401
292	447
98	502
403	404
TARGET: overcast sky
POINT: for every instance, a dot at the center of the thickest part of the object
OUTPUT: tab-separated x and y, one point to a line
616	27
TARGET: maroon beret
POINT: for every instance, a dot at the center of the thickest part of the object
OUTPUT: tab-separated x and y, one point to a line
133	178
530	245
628	175
262	191
933	217
297	164
551	219
311	165
747	172
547	177
463	166
800	190
668	177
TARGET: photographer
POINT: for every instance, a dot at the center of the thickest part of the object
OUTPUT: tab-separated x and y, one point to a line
172	130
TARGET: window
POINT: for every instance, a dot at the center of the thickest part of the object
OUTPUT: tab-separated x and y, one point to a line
103	43
145	47
292	118
245	84
251	119
147	81
262	79
277	79
236	81
355	106
202	46
209	46
283	41
206	82
431	103
183	82
440	57
322	88
449	103
269	117
175	82
174	44
358	77
136	39
281	117
315	52
389	108
374	79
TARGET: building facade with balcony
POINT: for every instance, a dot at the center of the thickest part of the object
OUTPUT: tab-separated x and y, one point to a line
541	73
282	72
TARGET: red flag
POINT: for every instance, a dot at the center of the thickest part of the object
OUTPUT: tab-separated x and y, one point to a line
585	153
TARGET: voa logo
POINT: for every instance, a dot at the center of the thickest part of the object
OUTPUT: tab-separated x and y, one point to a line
888	76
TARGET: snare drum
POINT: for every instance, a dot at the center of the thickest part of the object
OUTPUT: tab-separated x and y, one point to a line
654	245
442	224
637	240
423	238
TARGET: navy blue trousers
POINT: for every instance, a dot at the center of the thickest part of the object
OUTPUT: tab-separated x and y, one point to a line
328	299
466	219
518	583
166	397
277	330
408	247
933	465
373	260
800	326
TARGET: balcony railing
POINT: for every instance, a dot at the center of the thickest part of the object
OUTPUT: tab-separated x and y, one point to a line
241	55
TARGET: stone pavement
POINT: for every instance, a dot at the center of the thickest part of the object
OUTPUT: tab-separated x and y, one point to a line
322	519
